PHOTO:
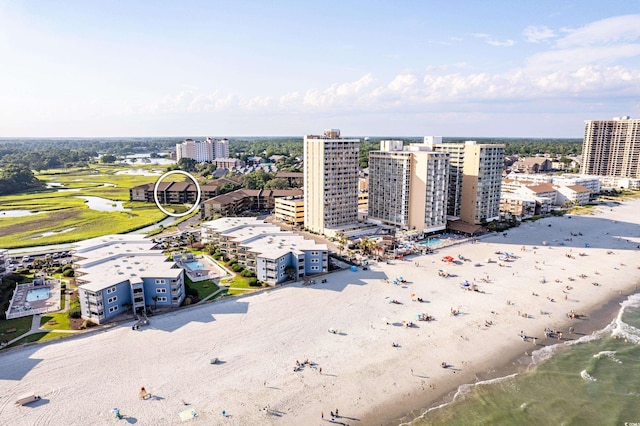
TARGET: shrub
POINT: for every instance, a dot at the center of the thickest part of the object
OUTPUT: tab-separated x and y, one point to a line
232	262
87	324
236	267
74	307
68	273
75	312
247	273
253	282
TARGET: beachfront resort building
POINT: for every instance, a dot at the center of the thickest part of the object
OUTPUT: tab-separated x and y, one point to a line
330	182
118	272
408	187
475	177
611	147
272	254
201	151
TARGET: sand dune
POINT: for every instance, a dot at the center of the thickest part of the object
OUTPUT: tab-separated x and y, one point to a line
259	337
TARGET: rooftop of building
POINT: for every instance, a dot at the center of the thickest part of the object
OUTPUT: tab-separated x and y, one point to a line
260	237
106	261
541	187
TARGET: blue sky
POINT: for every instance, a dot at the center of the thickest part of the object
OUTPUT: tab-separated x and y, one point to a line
369	68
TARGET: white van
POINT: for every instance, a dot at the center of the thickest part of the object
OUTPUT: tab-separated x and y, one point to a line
26	259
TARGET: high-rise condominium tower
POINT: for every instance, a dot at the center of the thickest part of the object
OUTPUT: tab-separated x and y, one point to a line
330	181
408	186
475	177
611	148
203	150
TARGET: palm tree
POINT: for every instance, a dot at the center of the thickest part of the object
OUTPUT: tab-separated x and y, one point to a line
342	241
155	302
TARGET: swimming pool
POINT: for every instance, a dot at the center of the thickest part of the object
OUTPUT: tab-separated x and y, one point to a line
431	242
38	294
194	265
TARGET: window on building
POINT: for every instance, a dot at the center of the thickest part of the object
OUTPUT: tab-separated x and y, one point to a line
315	268
112	299
161	290
162	299
113	309
111	290
160	281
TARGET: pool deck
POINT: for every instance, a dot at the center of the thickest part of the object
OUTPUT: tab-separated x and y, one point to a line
20	307
212	270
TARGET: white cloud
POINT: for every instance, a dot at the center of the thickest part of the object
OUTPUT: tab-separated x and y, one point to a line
536	34
619	29
492	42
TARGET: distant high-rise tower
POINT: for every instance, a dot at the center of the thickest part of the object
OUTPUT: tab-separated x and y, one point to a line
611	148
330	181
408	186
220	147
475	178
202	151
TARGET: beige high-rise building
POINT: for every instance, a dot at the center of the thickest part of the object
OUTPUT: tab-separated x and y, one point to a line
330	181
408	186
475	178
611	148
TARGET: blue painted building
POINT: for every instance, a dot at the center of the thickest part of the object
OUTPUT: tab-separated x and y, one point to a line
265	249
116	273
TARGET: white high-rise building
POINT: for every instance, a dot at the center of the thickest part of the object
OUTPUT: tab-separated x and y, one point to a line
330	181
220	147
201	151
408	186
475	179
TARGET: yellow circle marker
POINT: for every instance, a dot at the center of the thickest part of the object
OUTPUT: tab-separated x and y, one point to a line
178	172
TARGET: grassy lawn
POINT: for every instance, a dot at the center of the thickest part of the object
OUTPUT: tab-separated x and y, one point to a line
204	288
22	325
242	291
40	337
61	320
238	285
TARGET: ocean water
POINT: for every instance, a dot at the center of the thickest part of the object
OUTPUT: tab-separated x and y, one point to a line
593	381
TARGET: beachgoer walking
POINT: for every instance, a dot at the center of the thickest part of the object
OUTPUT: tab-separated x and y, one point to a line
337	415
322	415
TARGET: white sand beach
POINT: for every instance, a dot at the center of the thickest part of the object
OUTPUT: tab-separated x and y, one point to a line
258	338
